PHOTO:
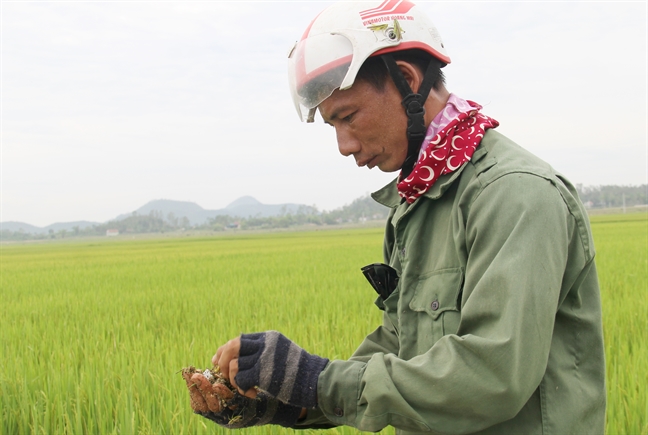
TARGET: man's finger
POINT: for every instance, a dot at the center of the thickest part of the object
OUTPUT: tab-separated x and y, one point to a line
251	393
233	370
225	355
216	357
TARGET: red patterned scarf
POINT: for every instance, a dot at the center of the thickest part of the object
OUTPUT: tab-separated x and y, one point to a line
447	151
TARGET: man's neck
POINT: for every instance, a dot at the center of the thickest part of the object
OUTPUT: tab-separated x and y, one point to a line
435	102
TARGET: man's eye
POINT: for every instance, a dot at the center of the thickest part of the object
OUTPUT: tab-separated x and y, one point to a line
348	118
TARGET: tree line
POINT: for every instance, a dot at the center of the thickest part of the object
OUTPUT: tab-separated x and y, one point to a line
613	196
360	210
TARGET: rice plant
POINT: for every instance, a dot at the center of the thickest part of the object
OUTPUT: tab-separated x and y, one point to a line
94	332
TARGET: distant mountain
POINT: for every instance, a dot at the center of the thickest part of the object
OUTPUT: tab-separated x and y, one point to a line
31	229
244	207
244	200
21	227
165	207
167	215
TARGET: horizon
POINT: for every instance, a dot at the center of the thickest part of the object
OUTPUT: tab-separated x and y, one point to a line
250	197
233	203
108	104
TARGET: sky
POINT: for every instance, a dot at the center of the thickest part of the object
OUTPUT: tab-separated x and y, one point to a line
105	106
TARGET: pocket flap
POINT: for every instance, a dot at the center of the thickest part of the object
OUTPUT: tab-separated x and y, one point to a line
438	292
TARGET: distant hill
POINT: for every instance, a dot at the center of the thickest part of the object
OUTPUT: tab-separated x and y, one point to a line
247	213
169	210
244	207
31	229
21	227
244	200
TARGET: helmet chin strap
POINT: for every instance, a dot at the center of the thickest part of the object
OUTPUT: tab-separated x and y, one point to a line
414	104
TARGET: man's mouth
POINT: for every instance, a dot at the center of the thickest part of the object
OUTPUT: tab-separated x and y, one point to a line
370	162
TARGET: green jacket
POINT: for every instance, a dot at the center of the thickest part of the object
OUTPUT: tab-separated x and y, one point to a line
495	326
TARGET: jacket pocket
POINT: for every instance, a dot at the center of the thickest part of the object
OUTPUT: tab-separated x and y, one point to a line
435	306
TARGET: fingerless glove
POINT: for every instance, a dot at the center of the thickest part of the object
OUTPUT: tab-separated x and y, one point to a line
248	412
276	365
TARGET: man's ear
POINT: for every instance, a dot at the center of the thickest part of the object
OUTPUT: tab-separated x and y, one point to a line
412	75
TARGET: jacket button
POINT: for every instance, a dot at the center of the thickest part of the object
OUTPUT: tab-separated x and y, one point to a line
403	252
339	412
434	305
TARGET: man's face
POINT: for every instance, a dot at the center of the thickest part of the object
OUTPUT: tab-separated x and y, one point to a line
370	124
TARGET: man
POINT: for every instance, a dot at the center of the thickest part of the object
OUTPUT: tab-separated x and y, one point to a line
492	318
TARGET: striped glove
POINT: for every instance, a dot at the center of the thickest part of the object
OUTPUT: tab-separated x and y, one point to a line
277	366
243	412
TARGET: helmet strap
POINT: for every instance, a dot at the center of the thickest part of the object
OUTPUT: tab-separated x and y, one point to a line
414	105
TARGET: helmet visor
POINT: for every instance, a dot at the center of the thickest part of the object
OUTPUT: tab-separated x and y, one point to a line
317	66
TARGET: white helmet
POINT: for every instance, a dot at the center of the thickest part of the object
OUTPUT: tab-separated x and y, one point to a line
340	39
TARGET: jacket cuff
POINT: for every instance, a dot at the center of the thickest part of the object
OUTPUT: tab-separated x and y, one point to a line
314	419
338	391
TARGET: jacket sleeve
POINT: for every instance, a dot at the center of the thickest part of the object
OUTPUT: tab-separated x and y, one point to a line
383	340
516	237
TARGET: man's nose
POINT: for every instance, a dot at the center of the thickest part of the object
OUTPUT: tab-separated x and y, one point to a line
347	144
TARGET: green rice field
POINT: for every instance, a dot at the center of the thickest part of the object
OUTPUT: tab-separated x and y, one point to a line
93	332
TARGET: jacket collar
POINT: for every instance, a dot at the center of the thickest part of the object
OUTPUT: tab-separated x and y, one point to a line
388	195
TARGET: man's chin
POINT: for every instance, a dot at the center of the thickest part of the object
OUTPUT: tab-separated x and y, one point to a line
387	168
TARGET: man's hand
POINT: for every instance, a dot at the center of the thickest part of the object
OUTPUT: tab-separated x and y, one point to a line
270	362
227	358
229	409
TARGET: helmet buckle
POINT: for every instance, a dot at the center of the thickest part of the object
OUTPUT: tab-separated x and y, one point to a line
415	112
